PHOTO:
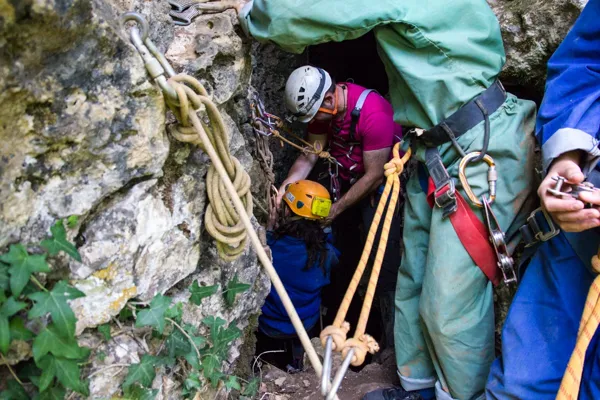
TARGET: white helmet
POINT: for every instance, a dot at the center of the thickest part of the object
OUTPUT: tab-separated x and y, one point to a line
305	90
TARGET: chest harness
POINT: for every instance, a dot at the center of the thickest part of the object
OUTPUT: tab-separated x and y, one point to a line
347	146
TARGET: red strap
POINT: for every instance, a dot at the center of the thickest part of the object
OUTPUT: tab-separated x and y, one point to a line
472	234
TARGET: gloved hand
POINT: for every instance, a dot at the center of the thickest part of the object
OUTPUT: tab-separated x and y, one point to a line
569	213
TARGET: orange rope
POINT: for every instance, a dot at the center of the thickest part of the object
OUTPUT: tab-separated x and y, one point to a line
361	342
569	387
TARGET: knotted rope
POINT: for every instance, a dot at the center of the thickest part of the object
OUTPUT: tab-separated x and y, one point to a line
221	219
571	382
361	342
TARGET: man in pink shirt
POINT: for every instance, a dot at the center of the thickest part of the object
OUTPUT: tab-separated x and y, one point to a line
356	125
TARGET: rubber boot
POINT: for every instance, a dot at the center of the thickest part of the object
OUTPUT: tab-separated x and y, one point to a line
399	393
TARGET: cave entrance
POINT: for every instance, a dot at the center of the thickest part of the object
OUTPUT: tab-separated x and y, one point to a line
355	61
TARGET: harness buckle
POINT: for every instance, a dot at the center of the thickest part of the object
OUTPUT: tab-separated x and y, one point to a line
533	232
445	198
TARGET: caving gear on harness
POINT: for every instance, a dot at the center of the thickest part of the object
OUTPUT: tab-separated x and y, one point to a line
308	199
184	95
444	304
305	90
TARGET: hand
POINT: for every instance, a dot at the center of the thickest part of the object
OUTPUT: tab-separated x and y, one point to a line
333	213
569	213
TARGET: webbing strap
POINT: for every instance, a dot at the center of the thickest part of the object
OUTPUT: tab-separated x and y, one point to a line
471	232
355	115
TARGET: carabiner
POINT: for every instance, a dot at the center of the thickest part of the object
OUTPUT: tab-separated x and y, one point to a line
492	177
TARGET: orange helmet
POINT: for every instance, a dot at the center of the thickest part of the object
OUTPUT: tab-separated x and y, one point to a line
308	199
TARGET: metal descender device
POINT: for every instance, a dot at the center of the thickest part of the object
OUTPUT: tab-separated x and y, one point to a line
184	11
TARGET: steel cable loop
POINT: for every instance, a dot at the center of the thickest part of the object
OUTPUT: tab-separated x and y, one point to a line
221	219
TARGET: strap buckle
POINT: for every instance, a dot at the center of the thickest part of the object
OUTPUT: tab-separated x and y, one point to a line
532	231
445	198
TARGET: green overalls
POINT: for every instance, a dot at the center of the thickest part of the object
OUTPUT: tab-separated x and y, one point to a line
438	55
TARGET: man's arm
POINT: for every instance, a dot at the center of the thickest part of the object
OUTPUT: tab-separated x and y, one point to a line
374	161
568	121
303	165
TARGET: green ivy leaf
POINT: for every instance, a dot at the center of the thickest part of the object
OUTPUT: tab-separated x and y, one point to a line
214	324
48	366
233	288
191	384
14	391
192	359
155	316
59	242
18	330
55	393
175	312
4	279
200	292
72	221
232	383
105	331
222	341
143	372
101	356
251	387
125	314
211	366
22	265
68	373
9	308
55	303
50	341
136	392
177	344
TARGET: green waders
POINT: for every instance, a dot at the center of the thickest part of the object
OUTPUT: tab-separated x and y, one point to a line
444	329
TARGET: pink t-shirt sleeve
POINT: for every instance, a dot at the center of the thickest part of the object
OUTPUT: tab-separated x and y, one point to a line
377	131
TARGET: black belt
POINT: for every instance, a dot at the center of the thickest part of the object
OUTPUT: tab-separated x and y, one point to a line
467	117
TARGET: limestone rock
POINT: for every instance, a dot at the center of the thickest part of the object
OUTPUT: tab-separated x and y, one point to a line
532	30
80	119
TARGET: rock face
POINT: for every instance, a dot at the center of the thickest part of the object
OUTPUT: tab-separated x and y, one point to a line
532	30
83	132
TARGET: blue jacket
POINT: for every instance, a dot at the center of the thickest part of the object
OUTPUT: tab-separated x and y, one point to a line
569	117
303	287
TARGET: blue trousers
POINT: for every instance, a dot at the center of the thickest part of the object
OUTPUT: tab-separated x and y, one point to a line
541	328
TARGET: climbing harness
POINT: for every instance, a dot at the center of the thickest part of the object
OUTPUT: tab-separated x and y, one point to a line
185	96
571	381
333	337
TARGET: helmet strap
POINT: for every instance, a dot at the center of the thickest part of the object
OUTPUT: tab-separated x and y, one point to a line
335	104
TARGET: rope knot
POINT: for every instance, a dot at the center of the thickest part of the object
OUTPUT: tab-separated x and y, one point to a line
337	334
394	166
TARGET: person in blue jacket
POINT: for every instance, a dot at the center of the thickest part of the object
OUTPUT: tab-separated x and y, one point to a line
542	325
303	257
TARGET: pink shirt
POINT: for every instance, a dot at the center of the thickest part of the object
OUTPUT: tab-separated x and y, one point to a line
375	130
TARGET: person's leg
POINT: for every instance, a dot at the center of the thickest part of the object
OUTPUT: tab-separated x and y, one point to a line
457	298
541	328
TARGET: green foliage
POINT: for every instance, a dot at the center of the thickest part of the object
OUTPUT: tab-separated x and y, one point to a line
200	292
55	303
56	353
105	331
142	373
22	265
58	242
155	316
233	288
251	388
72	221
